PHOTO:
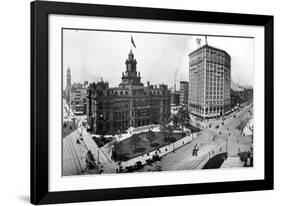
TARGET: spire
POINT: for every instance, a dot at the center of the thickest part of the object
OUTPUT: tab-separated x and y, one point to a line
131	56
68	77
68	70
131	76
131	62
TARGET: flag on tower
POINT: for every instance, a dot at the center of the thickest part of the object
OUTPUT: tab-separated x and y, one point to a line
132	40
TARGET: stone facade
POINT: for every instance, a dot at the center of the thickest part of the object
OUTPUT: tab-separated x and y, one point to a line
209	82
78	98
175	98
183	93
111	110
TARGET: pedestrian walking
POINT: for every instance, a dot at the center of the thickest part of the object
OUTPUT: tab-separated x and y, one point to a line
90	160
196	148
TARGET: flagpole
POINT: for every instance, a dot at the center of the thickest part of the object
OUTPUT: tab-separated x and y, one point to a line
131	49
130	42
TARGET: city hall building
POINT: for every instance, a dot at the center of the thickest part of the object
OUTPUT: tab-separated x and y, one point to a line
111	110
209	82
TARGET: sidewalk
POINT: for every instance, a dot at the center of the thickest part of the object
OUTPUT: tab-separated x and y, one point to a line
74	155
231	162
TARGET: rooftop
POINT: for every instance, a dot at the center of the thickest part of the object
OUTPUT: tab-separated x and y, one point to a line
210	47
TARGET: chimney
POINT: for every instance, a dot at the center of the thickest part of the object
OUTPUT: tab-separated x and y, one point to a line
147	83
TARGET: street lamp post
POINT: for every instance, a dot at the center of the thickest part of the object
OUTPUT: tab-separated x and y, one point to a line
226	147
98	156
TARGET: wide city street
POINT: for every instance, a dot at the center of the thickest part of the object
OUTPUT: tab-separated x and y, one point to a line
211	141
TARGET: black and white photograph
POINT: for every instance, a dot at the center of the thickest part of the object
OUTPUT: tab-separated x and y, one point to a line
140	102
155	102
132	102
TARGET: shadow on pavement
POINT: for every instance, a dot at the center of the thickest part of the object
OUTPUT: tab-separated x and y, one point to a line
215	162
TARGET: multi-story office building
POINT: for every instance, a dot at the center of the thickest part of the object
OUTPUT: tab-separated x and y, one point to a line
183	92
114	109
175	98
209	82
78	98
75	95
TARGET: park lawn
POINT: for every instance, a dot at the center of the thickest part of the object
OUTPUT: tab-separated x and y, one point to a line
127	149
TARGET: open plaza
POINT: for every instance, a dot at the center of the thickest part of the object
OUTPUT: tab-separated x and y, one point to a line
222	143
134	127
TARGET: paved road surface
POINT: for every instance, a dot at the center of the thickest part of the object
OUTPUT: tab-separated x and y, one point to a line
182	159
74	154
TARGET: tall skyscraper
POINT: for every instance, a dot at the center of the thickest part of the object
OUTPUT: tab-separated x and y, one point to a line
210	79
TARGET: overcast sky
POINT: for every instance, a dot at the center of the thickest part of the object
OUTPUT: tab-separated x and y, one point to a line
162	58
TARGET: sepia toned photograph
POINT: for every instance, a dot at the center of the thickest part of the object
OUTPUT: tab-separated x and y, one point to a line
154	102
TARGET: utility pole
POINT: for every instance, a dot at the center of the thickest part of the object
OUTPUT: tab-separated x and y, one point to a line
98	155
226	147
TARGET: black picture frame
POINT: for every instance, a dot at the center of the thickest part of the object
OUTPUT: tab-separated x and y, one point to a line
39	102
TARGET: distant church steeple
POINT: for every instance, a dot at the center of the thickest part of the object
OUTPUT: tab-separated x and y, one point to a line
68	86
68	77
